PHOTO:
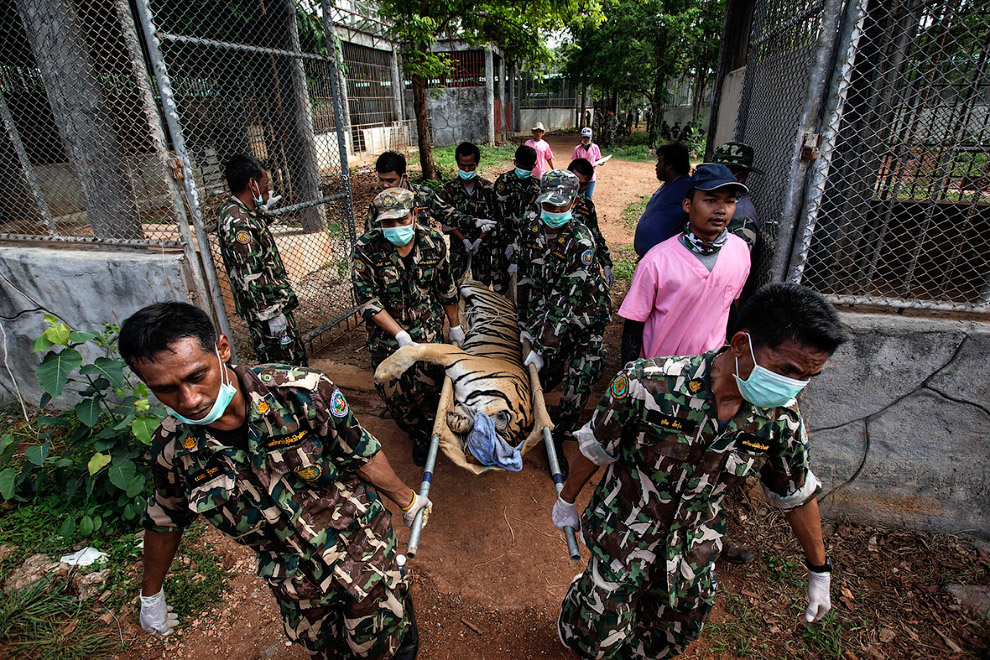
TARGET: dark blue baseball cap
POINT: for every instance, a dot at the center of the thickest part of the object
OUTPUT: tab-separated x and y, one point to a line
712	176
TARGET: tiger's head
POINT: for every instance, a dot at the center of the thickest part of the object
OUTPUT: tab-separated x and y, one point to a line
511	424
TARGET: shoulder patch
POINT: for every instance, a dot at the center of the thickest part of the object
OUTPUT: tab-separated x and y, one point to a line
620	387
359	266
338	404
310	472
587	257
243	236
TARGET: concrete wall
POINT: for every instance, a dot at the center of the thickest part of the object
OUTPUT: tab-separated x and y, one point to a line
555	119
909	400
457	114
85	288
728	109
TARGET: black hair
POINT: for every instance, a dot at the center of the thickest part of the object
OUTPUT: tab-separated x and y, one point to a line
675	155
468	149
526	157
155	328
581	166
780	311
391	161
240	169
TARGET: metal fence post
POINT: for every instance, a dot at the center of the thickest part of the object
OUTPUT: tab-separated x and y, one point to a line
188	179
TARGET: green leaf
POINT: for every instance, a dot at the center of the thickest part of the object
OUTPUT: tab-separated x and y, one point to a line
124	423
53	372
112	370
68	528
58	334
63	462
97	523
83	337
42	343
142	405
37	454
88	412
121	473
136	487
85	526
129	512
98	462
143	427
8	483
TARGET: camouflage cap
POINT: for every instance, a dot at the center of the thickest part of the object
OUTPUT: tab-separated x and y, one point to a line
394	203
736	154
558	187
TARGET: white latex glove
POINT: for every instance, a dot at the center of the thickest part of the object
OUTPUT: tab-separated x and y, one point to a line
404	339
409	515
484	224
565	514
277	325
467	245
157	618
509	251
272	202
475	245
608	275
524	335
456	335
819	598
512	269
533	358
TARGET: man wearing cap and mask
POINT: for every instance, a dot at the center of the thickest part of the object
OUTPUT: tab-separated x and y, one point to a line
562	301
258	280
515	193
404	289
274	458
675	434
590	152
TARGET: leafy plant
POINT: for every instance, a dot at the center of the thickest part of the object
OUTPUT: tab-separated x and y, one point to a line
95	454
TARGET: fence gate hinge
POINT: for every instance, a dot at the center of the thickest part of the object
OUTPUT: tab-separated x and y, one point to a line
176	168
809	146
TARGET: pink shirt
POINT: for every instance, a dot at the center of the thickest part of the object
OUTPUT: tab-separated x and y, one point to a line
543	154
685	308
592	154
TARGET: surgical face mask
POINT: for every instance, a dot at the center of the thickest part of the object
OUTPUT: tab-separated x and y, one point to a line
523	174
400	235
225	396
555	220
586	141
258	199
765	388
467	176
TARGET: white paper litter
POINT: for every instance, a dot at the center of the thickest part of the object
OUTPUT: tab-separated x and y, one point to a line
84	557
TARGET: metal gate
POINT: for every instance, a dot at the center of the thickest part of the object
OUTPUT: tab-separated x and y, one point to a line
261	78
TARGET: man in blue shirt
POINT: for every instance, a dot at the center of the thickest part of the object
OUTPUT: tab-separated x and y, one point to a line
664	216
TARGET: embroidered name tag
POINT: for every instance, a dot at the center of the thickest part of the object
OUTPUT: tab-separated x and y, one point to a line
671	422
429	262
284	441
211	470
751	442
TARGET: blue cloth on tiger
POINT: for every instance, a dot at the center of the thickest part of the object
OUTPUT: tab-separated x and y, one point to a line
490	448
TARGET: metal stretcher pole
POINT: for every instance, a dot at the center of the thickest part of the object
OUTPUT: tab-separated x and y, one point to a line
424	491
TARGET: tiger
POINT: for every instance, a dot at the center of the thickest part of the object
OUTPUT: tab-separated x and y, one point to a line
486	371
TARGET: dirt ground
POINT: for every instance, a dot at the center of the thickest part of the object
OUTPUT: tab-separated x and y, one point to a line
492	570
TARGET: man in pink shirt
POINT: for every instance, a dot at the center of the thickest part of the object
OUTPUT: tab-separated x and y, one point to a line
544	155
589	151
683	288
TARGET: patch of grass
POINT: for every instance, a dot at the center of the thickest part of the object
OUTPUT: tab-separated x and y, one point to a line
194	587
633	211
738	636
638	153
825	637
623	269
785	571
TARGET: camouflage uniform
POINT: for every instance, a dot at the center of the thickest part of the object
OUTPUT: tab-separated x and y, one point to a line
587	215
477	204
259	282
414	296
655	522
514	198
429	207
323	538
563	306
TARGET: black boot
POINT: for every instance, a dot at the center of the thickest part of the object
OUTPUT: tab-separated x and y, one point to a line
410	643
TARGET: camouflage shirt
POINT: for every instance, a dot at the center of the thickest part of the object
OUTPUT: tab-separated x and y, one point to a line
429	206
513	199
414	296
478	204
584	211
257	277
561	290
291	494
659	505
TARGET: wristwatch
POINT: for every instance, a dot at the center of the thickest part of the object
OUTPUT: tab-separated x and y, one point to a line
824	568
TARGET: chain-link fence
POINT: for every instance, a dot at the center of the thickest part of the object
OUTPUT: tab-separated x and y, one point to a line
260	79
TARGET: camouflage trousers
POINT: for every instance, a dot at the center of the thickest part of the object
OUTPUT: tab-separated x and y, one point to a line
272	350
580	363
605	618
412	400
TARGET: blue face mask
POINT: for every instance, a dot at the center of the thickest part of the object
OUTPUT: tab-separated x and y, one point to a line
523	174
467	176
555	220
765	388
226	394
400	235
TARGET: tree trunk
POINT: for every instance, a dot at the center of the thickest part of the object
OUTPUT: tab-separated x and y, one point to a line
77	101
424	138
